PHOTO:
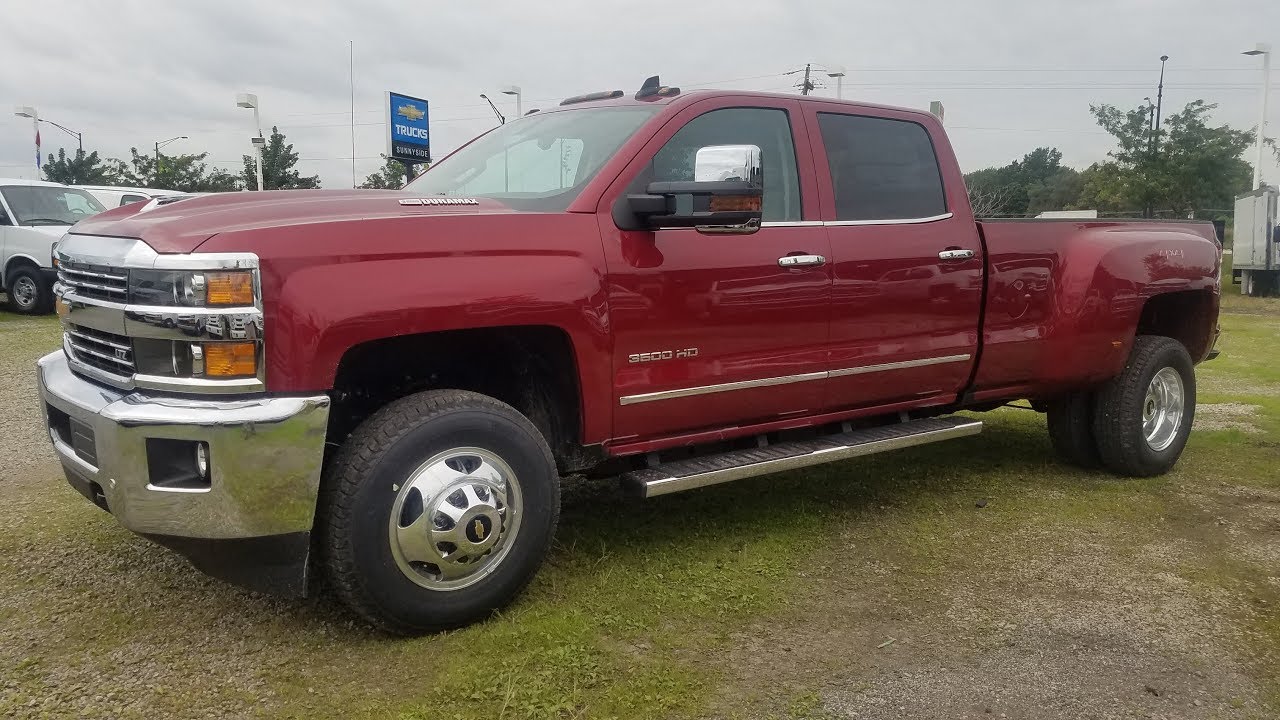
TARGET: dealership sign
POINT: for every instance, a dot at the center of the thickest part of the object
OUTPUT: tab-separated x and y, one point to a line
408	136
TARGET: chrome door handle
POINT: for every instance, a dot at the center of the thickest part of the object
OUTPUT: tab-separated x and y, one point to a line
789	261
955	254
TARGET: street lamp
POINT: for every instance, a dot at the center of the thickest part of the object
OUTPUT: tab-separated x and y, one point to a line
515	90
1155	136
30	112
837	72
249	100
1264	50
161	144
501	120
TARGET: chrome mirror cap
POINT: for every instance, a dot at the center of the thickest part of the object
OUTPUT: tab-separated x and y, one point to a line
718	163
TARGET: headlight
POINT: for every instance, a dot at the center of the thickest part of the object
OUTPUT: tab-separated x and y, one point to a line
186	288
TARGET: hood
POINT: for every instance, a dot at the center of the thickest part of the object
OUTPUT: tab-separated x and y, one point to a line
181	226
54	231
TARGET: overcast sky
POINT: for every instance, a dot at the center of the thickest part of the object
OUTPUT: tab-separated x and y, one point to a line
1012	75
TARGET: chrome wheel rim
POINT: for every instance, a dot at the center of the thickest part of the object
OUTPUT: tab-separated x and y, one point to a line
455	518
24	292
1163	408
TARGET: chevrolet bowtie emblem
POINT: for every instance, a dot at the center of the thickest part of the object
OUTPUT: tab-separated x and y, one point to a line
479	530
410	112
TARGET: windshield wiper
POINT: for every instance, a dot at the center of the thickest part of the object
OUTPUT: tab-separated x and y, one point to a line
46	221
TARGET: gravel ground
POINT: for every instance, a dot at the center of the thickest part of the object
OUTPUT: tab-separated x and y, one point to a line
968	581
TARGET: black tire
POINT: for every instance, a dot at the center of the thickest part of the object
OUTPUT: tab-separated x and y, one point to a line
1071	429
1118	411
360	488
29	293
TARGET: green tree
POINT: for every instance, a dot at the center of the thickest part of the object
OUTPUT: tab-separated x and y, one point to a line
391	176
78	169
1033	184
1191	165
278	160
186	173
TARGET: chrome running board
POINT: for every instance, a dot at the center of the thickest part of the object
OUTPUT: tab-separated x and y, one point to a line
713	469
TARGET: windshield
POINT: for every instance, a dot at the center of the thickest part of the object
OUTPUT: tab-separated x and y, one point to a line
49	205
539	162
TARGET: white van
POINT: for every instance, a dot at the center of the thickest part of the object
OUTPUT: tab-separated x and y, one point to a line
34	215
116	196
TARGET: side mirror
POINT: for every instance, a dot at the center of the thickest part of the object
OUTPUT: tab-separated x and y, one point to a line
724	196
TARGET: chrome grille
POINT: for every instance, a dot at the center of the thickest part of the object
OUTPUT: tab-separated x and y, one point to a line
95	281
103	350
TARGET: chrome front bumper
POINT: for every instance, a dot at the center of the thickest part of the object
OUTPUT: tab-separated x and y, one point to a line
265	455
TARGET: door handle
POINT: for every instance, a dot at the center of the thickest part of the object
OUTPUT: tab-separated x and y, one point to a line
960	254
790	261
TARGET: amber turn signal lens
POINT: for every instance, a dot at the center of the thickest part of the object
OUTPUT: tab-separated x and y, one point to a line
229	288
735	204
230	359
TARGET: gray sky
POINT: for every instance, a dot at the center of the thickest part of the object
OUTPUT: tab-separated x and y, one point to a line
1012	75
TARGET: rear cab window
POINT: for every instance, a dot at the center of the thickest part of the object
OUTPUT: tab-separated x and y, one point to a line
882	169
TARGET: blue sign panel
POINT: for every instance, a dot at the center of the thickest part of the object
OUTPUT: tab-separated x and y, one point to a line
408	138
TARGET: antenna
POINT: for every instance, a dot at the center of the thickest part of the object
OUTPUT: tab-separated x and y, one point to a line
351	76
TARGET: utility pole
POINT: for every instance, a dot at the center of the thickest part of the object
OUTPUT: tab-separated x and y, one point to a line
1155	137
1151	121
806	85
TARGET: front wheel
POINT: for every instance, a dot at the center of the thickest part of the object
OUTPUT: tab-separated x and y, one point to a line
1142	418
437	511
29	292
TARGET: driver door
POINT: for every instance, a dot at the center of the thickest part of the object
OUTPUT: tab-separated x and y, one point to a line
712	333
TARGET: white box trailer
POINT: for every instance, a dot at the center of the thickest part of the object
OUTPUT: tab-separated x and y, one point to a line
1255	245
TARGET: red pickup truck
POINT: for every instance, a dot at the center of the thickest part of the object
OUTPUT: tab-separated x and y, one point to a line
680	289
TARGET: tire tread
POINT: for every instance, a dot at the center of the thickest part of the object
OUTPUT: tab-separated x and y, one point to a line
355	461
1119	406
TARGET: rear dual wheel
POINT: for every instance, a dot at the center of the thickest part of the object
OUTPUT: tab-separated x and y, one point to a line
1136	424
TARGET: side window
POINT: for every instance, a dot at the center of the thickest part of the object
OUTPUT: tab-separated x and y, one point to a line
881	169
127	199
767	128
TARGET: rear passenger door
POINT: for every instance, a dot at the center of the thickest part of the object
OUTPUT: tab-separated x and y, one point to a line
906	258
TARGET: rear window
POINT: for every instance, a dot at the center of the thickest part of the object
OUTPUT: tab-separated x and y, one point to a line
881	169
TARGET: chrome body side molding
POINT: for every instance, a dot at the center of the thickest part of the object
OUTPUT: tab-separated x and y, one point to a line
788	379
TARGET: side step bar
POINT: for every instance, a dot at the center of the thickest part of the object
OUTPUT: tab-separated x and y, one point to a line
700	472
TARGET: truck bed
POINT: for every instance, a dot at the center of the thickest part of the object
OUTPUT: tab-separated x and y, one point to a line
1064	296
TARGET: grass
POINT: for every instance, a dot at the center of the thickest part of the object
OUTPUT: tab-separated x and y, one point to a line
644	609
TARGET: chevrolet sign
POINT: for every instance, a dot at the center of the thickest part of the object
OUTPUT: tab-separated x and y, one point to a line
408	131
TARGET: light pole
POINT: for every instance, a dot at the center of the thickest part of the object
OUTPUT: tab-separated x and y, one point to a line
1155	136
249	100
161	144
501	120
515	90
837	72
1264	50
26	111
30	112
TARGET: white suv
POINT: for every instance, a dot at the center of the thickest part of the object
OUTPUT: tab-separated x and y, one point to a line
112	196
34	215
